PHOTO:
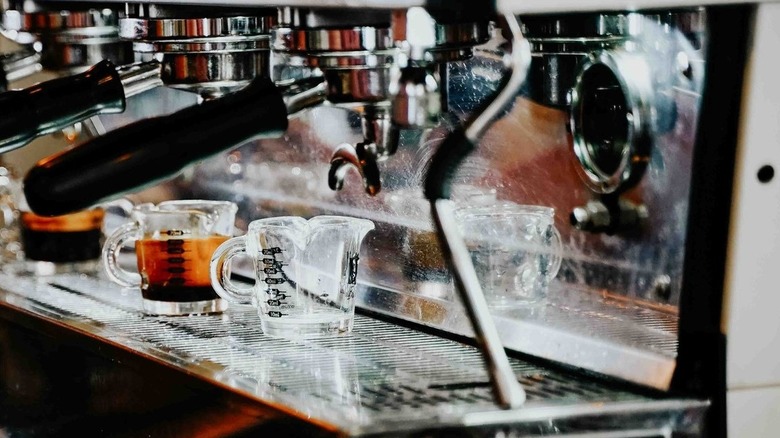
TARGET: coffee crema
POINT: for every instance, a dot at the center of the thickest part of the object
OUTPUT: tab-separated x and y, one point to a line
177	270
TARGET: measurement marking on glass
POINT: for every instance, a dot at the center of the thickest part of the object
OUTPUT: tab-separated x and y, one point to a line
177	263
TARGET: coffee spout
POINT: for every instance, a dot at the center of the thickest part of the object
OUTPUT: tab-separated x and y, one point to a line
380	141
347	156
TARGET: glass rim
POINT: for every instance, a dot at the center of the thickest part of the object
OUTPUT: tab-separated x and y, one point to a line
196	202
334	221
276	222
319	221
185	207
504	209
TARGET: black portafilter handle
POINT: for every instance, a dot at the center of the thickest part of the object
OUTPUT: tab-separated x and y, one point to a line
3	80
56	104
152	150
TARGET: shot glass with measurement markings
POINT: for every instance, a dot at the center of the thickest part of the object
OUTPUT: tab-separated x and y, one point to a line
305	273
174	241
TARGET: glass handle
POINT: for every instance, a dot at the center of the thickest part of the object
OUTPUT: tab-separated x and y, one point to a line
557	252
124	204
117	212
10	241
220	272
111	248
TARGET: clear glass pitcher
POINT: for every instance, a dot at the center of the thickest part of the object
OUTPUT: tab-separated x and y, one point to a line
516	251
174	241
305	272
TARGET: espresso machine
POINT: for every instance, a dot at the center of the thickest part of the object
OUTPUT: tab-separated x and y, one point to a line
646	128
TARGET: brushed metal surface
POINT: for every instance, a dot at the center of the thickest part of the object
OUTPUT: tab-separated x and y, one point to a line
381	379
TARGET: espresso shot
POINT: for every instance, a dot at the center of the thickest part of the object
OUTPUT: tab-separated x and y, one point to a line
177	270
62	239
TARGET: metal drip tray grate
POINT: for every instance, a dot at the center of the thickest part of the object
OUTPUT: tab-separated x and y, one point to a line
588	330
382	378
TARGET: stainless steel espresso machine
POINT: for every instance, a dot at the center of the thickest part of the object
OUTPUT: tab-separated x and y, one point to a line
645	129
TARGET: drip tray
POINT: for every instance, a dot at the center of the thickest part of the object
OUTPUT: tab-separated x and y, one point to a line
383	379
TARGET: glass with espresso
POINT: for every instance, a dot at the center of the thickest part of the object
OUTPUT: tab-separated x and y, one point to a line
68	243
62	239
174	241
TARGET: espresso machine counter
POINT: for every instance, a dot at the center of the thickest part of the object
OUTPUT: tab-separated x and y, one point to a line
382	380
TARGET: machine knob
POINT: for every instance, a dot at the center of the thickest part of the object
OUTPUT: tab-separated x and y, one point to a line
609	217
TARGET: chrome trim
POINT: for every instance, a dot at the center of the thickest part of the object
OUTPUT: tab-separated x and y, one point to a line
632	75
352	85
206	27
313	41
297	97
462	34
20	64
509	416
205	45
212	74
70	58
350	60
140	77
578	26
57	21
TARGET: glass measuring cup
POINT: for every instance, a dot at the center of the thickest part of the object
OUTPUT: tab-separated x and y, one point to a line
305	272
516	251
174	241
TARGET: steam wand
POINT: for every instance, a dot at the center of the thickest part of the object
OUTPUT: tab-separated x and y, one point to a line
461	142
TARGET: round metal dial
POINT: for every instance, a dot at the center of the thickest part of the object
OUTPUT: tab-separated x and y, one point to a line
612	120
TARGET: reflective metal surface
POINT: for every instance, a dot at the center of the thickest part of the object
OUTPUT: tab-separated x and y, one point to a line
382	380
525	158
19	64
310	41
208	54
74	55
561	44
455	41
73	38
357	85
173	28
355	61
612	120
372	61
102	20
140	77
213	74
622	102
